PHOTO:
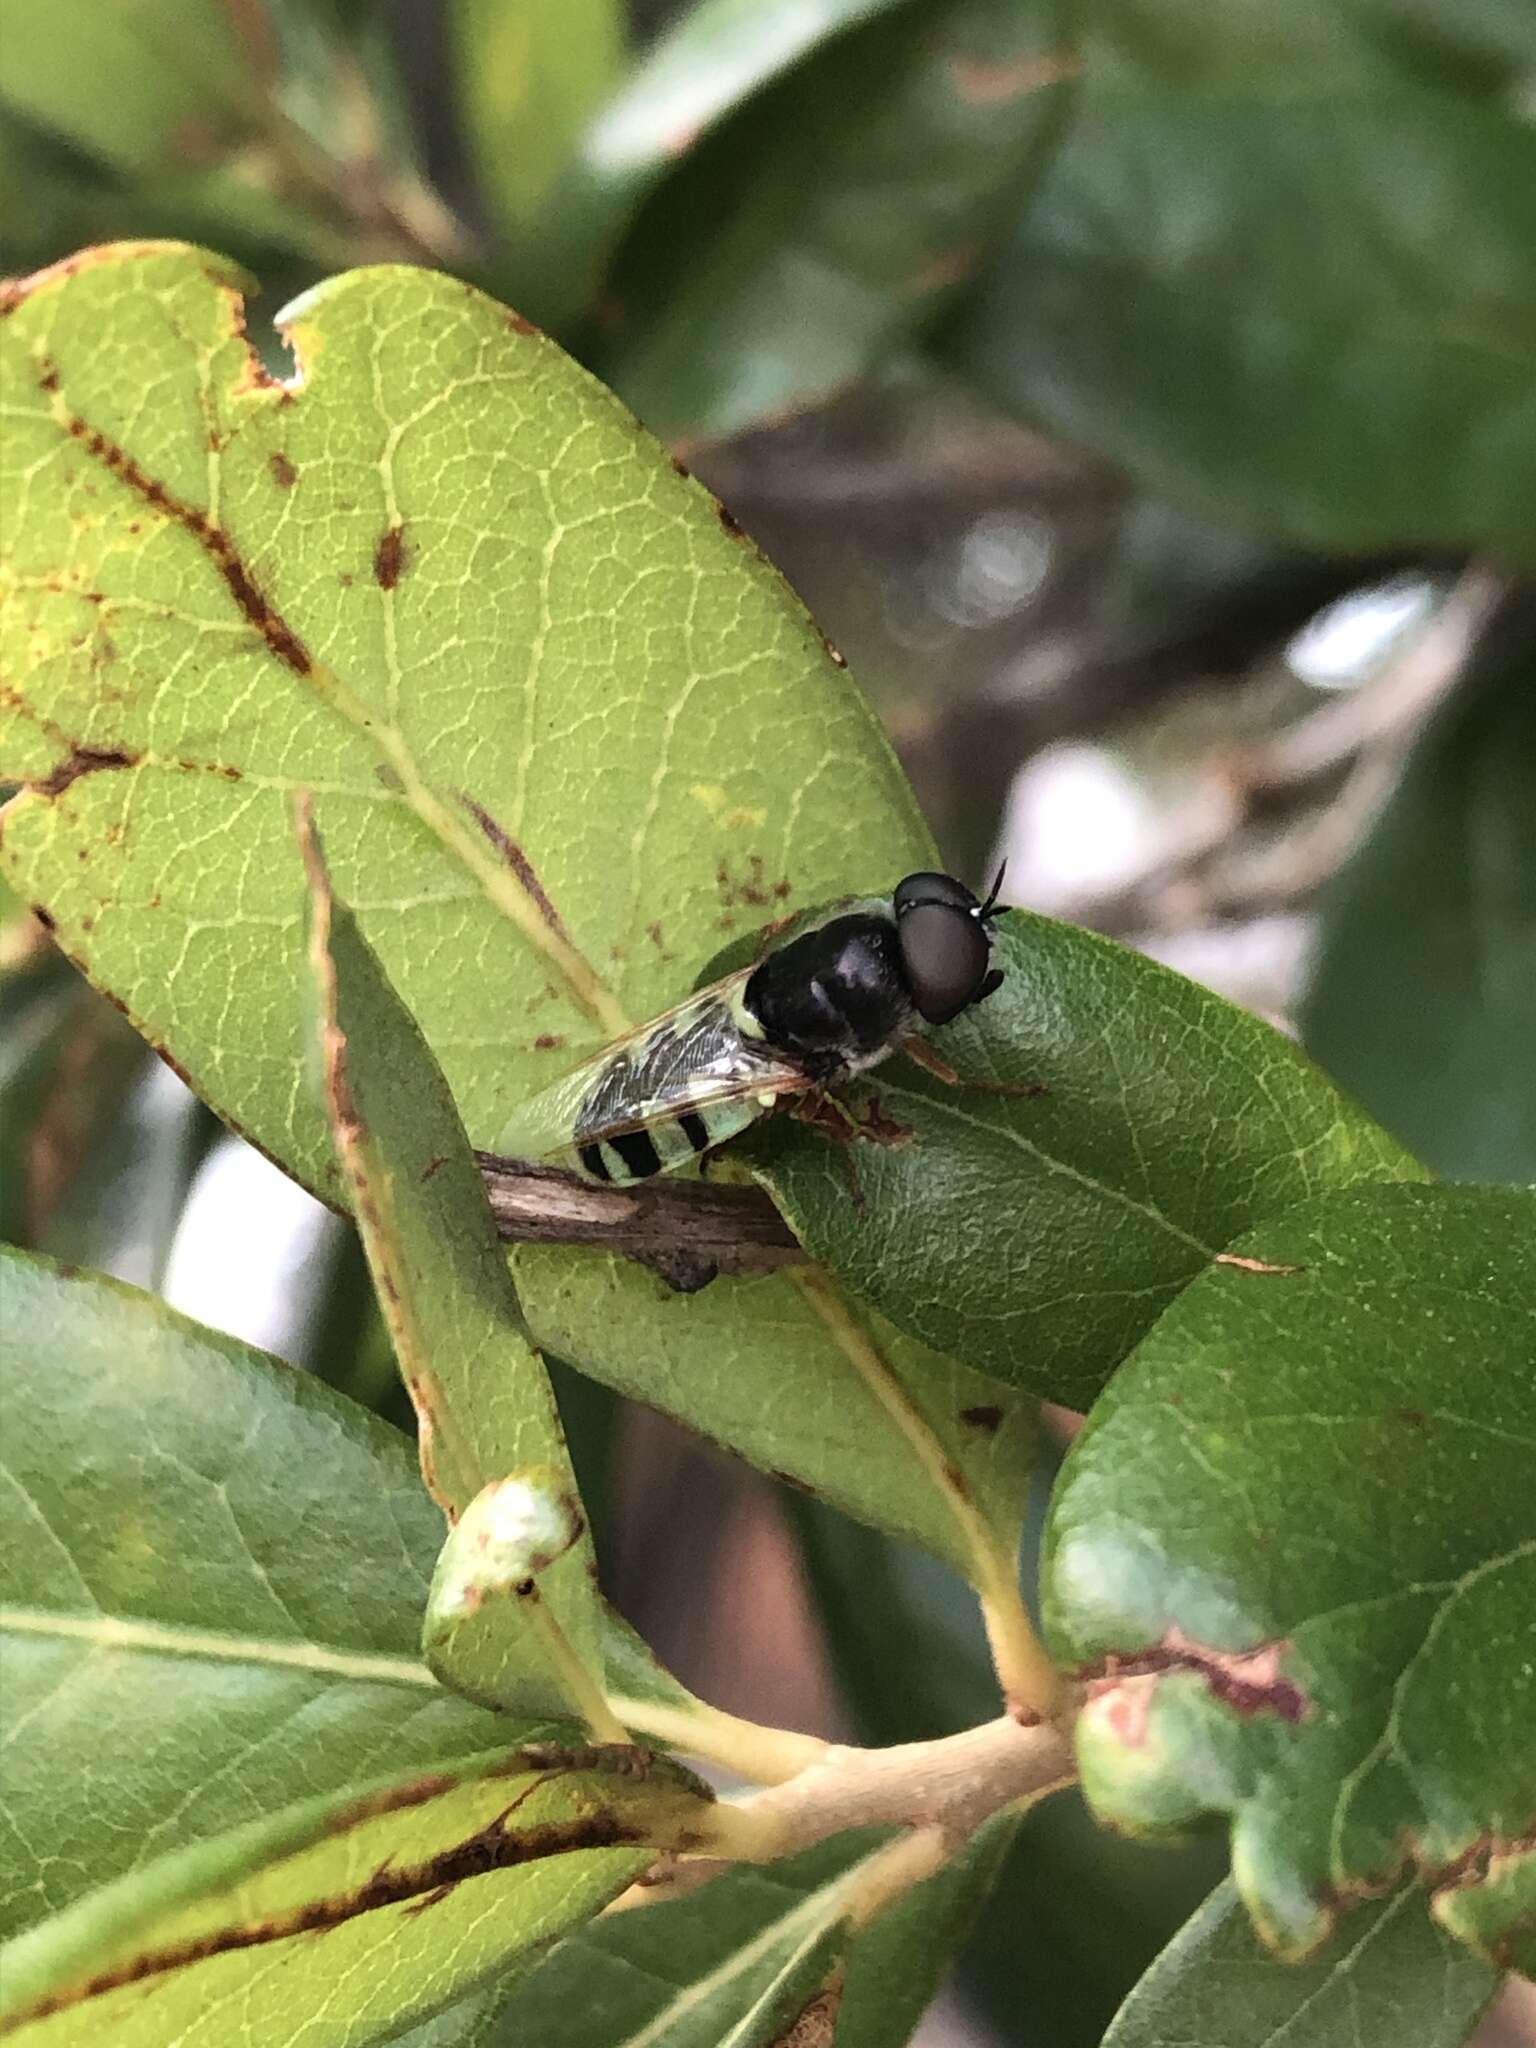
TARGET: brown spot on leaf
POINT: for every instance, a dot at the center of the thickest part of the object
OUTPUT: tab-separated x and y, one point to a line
283	472
729	521
1248	1681
750	888
493	1847
213	540
681	467
985	1417
520	323
1415	1418
834	654
548	1041
433	1165
49	380
82	761
389	557
520	865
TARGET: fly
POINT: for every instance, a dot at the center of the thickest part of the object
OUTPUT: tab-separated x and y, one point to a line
827	1004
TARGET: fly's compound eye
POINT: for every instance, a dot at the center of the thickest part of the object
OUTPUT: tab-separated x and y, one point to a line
923	889
945	951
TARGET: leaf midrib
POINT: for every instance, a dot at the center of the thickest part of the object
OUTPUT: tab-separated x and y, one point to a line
166	1639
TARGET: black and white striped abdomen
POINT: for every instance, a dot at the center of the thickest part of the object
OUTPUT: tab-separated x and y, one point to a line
667	1095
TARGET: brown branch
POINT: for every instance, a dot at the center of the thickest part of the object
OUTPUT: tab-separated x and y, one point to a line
686	1231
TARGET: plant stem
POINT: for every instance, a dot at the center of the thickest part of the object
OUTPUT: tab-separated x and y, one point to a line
953	1784
764	1755
1031	1685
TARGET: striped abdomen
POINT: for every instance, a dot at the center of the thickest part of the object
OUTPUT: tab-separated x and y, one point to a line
667	1094
672	1140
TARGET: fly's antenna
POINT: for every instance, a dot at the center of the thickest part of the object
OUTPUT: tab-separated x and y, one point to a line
995	891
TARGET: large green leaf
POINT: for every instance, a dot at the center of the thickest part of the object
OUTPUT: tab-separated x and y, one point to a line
1386	1975
213	1572
486	1416
213	1575
451	1875
1280	270
1040	1236
562	725
1296	1545
1423	994
638	743
832	220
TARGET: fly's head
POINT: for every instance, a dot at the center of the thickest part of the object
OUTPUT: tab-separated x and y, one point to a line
944	935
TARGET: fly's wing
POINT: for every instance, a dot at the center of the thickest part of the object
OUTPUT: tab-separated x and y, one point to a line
687	1059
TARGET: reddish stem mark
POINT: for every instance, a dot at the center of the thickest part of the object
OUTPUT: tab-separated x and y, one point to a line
214	541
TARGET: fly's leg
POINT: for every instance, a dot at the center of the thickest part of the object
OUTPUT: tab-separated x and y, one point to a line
923	1054
845	1125
846	1122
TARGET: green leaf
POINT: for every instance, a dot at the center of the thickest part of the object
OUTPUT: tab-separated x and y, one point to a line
700	755
211	1583
1387	1975
639	740
833	220
210	1590
331	1885
1283	279
564	728
733	1962
1040	1236
1297	1544
140	86
751	1363
1423	993
700	68
528	78
483	1402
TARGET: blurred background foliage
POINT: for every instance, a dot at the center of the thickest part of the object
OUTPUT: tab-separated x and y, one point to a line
1141	392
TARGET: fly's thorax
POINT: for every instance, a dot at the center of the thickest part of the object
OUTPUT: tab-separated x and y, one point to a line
835	998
